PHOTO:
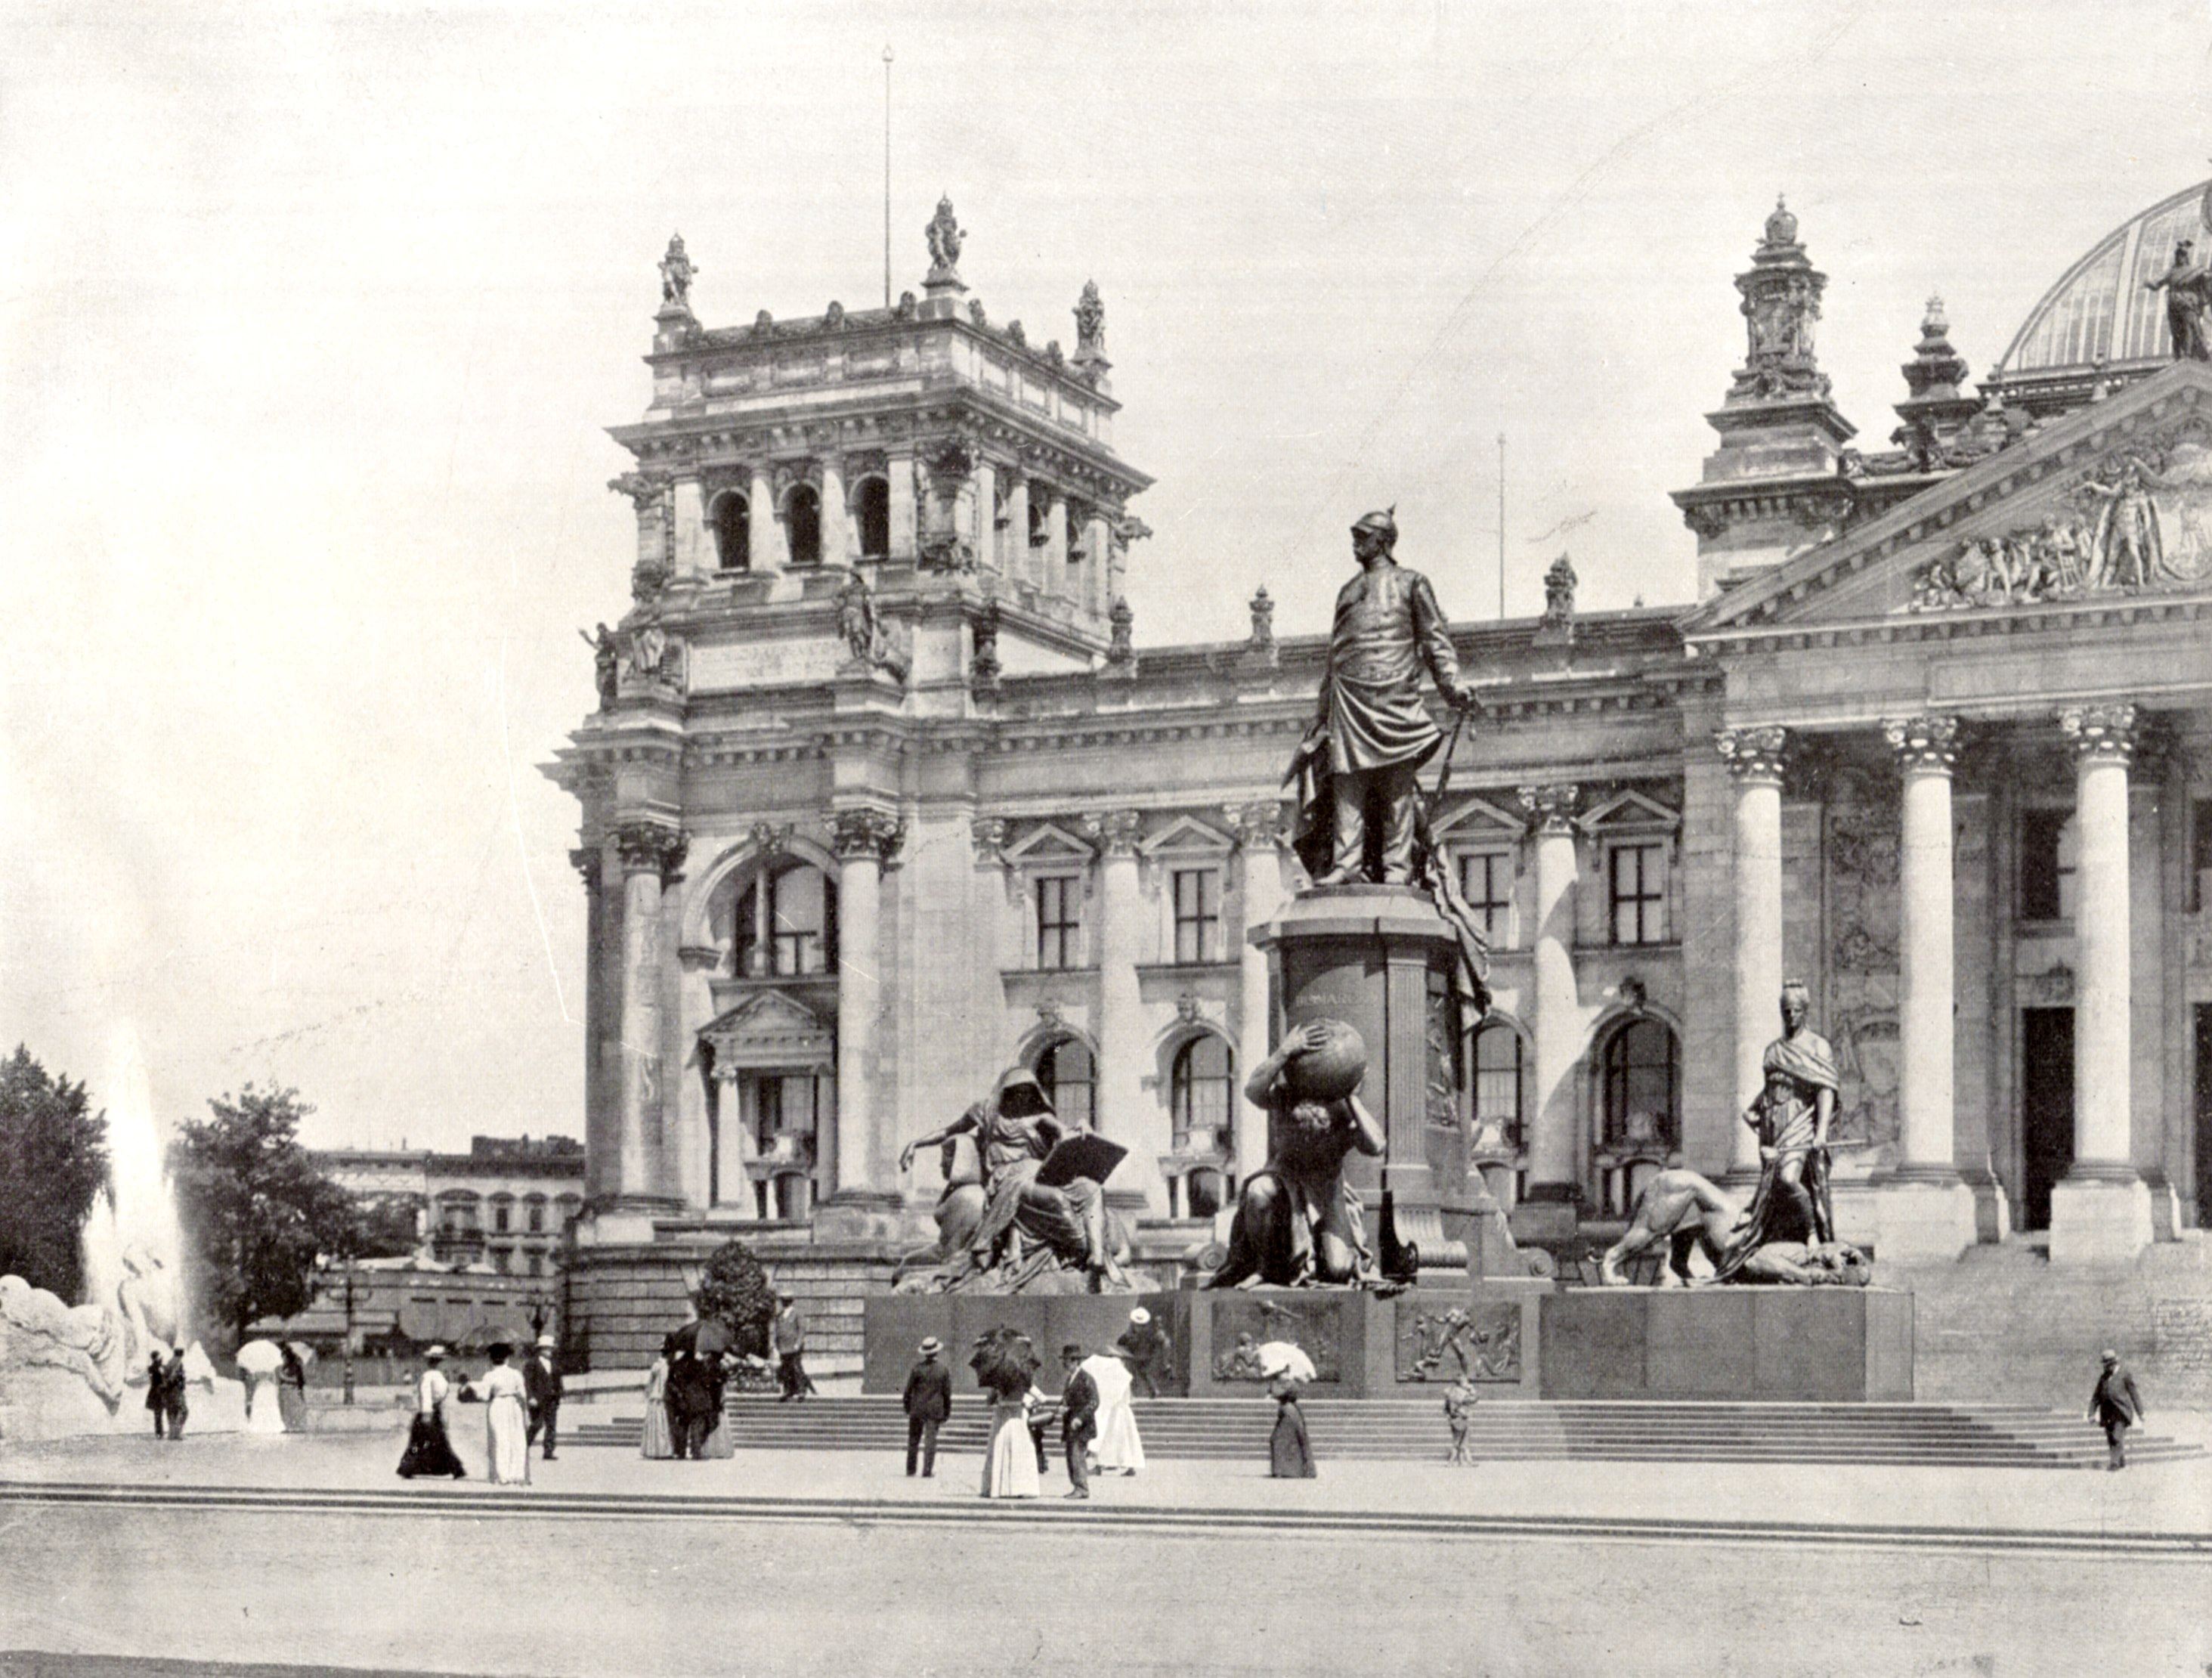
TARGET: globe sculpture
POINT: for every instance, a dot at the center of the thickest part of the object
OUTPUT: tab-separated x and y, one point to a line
1333	1071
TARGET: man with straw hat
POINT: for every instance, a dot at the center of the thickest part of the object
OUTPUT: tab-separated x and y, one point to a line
928	1403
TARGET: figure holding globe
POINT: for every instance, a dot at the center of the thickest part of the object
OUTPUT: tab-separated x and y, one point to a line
1298	1223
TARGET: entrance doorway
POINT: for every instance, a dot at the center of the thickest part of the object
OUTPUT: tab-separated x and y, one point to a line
2046	1108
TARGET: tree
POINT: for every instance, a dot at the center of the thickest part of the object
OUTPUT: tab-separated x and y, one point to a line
53	1162
734	1289
256	1211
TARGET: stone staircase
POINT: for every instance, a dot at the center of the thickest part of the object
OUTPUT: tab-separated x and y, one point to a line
1994	1436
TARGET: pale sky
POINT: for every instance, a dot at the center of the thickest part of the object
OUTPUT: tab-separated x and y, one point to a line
314	316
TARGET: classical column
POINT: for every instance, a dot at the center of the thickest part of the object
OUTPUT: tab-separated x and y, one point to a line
864	839
905	539
1098	560
1923	1209
1126	1112
1055	542
1259	831
1555	1003
602	1128
652	852
1754	759
1021	562
763	529
986	514
693	558
835	525
2102	1212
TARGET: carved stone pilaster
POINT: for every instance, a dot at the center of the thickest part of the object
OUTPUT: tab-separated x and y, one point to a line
649	494
1115	830
866	833
652	847
1256	826
1551	809
1753	754
2101	731
1924	741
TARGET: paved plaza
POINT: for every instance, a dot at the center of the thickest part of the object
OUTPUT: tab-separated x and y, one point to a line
284	1550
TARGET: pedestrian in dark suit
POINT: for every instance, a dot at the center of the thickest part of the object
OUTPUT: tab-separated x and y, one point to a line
788	1331
2116	1406
175	1394
541	1382
1078	1419
157	1393
928	1406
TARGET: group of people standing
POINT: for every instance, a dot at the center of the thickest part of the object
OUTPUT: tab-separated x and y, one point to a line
686	1413
1097	1418
167	1393
521	1405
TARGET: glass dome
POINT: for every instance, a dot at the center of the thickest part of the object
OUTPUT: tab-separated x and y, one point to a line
2099	309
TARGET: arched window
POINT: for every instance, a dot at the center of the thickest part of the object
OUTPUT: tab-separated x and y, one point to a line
1071	535
802	519
1199	1082
1642	1088
1494	1091
1037	516
1064	1069
733	549
786	923
872	511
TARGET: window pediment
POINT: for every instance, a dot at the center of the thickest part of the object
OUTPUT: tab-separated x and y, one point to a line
1477	821
1048	843
1630	811
771	1028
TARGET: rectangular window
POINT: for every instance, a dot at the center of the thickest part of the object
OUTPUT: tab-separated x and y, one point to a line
2046	865
1485	880
2200	854
1637	884
1197	914
537	1264
537	1219
498	1218
1059	924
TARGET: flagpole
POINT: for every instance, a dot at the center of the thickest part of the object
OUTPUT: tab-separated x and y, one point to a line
1501	526
887	175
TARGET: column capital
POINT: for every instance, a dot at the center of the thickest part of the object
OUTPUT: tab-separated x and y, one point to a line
1754	753
1551	809
588	863
875	835
1116	830
2100	733
989	835
1257	826
652	847
1923	743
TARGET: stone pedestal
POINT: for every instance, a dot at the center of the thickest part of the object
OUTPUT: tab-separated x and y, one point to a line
1377	957
1918	1222
2095	1221
1822	1345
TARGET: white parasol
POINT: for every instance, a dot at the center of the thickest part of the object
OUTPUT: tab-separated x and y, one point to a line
302	1350
1281	1356
259	1357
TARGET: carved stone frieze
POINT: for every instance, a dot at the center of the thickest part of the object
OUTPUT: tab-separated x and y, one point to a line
1481	1342
1256	826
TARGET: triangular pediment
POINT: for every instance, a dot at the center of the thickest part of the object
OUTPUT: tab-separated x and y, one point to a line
1185	834
771	1028
1048	843
1473	820
2105	504
1630	808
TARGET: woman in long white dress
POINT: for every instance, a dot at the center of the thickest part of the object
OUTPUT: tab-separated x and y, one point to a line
1118	1450
659	1443
506	1419
262	1413
1010	1466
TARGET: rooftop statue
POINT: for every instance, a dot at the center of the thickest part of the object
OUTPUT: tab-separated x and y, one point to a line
1090	320
945	236
2187	284
676	272
1373	733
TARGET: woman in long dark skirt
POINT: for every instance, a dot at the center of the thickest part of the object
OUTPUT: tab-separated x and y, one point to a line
1289	1452
429	1450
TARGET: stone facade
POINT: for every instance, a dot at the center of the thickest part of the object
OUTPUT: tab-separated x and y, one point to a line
848	851
506	1206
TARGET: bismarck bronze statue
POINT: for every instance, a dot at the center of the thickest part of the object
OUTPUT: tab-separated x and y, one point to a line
1356	770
